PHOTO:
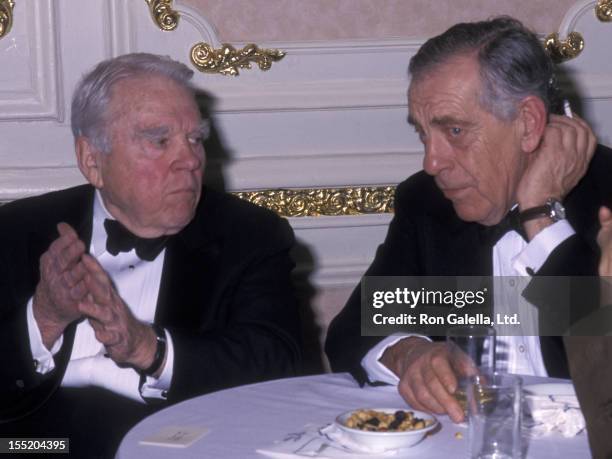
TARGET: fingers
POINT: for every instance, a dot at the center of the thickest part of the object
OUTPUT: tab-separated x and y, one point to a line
591	139
561	160
576	133
107	337
426	389
605	216
445	373
462	363
405	389
98	313
429	383
97	281
63	253
64	229
113	323
61	278
444	384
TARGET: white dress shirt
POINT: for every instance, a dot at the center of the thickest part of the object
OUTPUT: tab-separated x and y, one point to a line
137	282
512	256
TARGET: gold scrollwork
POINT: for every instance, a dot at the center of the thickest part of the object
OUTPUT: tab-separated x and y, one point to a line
163	15
6	16
227	60
603	10
314	202
563	50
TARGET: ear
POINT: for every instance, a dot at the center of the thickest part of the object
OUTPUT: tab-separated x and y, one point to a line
88	159
532	120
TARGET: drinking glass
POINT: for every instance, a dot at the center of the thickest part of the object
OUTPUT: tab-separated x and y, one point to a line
494	416
472	352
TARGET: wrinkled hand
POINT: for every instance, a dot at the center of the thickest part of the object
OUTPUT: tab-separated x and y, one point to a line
61	285
559	163
427	380
127	340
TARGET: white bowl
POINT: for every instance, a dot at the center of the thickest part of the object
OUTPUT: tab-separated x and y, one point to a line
383	441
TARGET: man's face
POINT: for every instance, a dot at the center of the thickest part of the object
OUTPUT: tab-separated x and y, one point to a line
151	181
474	157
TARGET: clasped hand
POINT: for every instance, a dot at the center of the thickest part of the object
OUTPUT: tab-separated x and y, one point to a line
559	162
73	286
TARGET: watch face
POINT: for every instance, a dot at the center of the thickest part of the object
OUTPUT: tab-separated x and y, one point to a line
557	210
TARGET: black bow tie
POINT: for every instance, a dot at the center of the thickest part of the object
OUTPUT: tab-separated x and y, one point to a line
120	239
510	222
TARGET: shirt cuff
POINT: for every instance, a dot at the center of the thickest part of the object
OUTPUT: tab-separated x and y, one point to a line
158	387
43	357
375	370
533	256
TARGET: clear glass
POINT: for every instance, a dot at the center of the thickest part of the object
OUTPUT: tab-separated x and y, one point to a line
471	352
494	416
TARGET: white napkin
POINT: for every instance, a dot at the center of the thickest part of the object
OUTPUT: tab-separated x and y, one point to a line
324	442
554	413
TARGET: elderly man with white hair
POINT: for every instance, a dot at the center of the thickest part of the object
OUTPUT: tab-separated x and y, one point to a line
144	287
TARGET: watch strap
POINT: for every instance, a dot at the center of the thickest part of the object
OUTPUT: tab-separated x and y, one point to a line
553	209
160	351
533	213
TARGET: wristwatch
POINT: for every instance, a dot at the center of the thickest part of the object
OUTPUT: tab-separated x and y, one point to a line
160	351
553	209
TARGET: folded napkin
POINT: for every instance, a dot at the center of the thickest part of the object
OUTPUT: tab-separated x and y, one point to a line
553	413
325	442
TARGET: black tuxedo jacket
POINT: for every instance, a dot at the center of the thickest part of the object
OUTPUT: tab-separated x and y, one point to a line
225	295
427	238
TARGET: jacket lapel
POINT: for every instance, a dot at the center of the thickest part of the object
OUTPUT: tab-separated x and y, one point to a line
190	270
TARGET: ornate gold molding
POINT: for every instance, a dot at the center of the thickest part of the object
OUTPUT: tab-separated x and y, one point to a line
603	10
163	15
563	50
227	59
6	16
314	202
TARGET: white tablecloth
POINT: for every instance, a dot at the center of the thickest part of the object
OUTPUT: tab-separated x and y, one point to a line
246	418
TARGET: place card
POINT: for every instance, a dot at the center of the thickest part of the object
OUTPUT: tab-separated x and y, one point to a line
176	436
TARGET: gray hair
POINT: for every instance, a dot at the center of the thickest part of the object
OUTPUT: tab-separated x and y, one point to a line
513	62
91	99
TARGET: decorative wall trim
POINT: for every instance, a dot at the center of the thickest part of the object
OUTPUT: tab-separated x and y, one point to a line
317	202
227	60
163	15
324	76
563	50
6	16
603	10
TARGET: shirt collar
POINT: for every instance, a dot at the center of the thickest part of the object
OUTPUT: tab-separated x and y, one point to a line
98	233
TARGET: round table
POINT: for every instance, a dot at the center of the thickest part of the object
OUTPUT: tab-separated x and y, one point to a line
244	419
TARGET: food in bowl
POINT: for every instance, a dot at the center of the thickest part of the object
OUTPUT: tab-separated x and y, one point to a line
381	421
383	440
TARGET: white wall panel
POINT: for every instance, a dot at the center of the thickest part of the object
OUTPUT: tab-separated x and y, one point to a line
30	81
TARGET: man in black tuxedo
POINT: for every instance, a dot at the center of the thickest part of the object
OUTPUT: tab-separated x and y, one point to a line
142	288
480	100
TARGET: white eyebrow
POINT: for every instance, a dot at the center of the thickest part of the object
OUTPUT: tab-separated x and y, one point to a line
154	131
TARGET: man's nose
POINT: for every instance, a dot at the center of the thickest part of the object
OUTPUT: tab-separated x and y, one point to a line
189	155
437	156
